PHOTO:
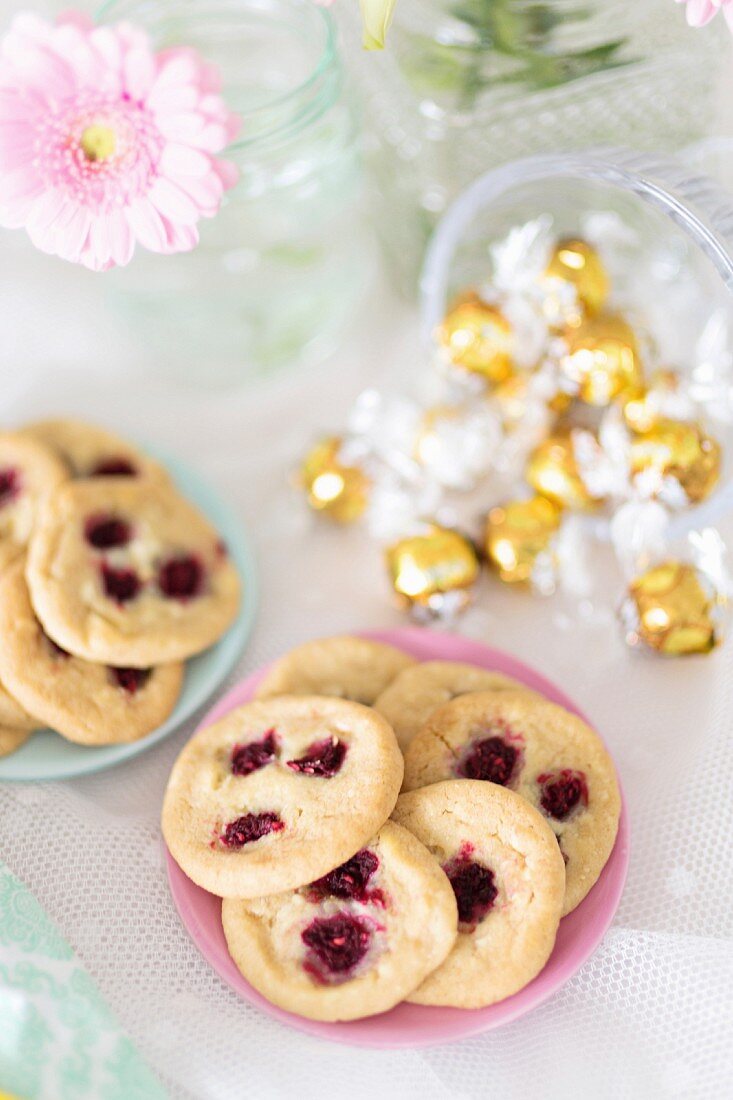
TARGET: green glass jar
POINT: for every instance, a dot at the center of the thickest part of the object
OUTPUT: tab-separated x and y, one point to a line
279	270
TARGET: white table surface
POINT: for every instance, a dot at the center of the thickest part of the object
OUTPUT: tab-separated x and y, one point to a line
648	1016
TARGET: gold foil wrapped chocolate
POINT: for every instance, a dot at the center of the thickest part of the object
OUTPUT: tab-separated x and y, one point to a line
603	362
682	451
435	570
337	490
576	262
513	396
672	609
519	534
642	413
553	472
479	338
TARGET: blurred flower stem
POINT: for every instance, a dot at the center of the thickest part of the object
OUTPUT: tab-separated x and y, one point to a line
509	42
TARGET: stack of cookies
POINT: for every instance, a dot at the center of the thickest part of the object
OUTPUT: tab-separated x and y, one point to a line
109	581
343	897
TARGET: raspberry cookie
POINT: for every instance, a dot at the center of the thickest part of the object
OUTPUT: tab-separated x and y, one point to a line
508	877
89	703
124	571
28	473
355	942
12	713
12	739
412	697
549	756
89	451
279	793
345	667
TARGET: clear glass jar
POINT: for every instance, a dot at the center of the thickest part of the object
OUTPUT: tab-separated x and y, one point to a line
279	270
681	225
469	84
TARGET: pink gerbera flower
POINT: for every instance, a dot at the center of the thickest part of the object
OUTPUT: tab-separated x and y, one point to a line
105	143
700	12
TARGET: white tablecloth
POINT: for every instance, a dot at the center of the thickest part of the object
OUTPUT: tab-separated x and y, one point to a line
649	1016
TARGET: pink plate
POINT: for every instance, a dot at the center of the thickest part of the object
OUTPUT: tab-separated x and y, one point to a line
414	1025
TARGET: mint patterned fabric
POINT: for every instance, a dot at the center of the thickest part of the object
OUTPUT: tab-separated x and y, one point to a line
58	1040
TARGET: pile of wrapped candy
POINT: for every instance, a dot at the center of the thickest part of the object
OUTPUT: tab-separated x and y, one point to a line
549	417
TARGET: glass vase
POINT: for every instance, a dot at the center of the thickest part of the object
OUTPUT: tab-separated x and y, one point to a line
469	84
279	270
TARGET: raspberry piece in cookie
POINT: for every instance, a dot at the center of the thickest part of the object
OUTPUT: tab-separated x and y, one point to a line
549	756
352	879
345	667
29	472
353	943
420	689
241	821
92	704
507	873
126	572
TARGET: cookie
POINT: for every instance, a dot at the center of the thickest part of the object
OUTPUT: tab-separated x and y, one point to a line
89	451
11	739
125	572
12	713
280	792
355	942
549	756
345	667
506	870
412	696
28	473
91	704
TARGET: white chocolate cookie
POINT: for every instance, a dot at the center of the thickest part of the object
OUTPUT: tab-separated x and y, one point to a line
12	739
126	572
354	943
12	714
29	472
345	667
420	689
549	756
508	877
279	792
91	451
91	704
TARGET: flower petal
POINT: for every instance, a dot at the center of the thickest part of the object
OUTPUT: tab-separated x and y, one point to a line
376	16
68	243
213	138
177	159
180	127
122	240
138	72
45	211
173	203
177	99
206	192
73	18
182	238
19	183
227	172
700	12
179	66
147	225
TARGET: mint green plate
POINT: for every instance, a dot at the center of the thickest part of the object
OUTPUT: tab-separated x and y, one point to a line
47	756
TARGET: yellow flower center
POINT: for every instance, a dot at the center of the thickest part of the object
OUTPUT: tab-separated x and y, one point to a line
98	142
